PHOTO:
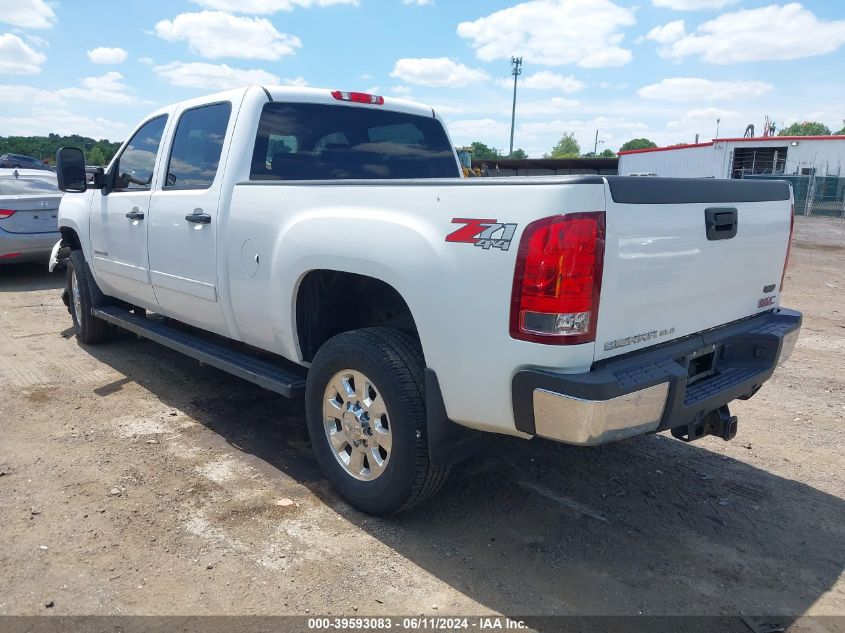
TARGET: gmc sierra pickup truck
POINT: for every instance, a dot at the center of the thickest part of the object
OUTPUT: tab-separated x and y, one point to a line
324	243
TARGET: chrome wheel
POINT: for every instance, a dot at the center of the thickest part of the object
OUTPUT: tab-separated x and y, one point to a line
76	297
357	426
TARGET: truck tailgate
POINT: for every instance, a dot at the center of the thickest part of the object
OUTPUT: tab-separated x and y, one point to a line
667	276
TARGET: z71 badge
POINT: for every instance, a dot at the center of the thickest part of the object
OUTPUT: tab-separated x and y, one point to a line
484	233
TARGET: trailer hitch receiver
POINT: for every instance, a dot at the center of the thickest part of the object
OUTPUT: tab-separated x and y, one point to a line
719	422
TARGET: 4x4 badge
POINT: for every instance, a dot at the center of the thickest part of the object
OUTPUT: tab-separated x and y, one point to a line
484	233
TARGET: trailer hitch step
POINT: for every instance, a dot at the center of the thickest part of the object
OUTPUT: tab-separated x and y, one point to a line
719	422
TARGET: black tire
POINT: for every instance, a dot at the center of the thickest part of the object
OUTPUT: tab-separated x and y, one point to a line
393	361
88	328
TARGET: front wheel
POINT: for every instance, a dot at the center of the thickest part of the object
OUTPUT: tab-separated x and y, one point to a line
81	287
365	408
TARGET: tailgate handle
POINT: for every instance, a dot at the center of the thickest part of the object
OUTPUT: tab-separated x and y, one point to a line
721	222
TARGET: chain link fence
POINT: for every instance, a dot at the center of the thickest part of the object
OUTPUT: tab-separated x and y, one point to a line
814	195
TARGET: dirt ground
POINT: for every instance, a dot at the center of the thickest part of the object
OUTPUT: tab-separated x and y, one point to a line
135	481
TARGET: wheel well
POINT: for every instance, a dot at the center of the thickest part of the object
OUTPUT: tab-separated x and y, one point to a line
330	302
70	237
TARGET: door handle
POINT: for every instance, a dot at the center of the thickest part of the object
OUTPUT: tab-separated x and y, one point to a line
135	214
198	217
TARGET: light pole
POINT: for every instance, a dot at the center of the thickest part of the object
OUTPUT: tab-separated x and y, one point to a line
516	71
596	145
718	121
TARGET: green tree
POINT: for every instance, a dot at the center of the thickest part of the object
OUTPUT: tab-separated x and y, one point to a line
46	146
566	147
807	128
608	153
518	154
841	132
483	152
637	143
95	157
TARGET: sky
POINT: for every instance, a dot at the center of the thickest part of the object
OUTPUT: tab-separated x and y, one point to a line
661	69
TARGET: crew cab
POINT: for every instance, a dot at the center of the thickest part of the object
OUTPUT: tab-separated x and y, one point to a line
324	244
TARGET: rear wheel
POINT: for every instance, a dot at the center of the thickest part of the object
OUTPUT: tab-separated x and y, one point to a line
81	287
366	418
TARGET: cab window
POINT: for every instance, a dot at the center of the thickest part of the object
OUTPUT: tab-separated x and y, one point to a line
197	145
134	167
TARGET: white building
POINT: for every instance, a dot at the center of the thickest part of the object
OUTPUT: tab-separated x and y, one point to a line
737	157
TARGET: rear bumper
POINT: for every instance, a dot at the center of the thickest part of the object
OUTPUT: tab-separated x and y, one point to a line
655	389
31	246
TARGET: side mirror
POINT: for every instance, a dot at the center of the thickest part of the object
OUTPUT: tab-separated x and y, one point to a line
70	170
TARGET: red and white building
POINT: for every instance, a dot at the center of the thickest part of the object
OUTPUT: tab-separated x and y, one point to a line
736	157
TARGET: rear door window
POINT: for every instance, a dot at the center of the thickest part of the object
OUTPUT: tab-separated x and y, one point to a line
197	146
333	142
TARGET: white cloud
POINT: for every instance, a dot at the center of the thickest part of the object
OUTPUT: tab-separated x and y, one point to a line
105	55
47	120
267	6
583	128
147	61
553	33
769	33
697	89
214	34
555	105
668	33
419	3
212	76
436	72
107	88
468	130
27	14
17	57
27	95
699	119
298	81
691	5
547	80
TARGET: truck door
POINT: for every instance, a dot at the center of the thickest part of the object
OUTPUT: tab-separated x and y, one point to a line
119	218
184	219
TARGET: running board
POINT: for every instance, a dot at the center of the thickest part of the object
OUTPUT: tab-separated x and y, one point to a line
279	379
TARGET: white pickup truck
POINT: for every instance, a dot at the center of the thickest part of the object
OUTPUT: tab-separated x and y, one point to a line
324	243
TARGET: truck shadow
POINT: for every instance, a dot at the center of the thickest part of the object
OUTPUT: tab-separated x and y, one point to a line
21	277
649	526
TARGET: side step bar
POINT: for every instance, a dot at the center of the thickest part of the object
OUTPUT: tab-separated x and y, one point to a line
274	377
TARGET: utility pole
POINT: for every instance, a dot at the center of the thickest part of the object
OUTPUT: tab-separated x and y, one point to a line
718	121
516	71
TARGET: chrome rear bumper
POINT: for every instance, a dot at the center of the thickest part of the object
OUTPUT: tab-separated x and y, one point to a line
654	389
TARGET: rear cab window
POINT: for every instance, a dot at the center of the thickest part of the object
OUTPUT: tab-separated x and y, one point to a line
309	141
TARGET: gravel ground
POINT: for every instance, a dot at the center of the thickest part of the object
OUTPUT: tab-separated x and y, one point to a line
134	481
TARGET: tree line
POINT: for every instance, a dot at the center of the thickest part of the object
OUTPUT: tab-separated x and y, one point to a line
97	152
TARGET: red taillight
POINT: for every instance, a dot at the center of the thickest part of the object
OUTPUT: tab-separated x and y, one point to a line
10	255
557	280
788	247
5	213
358	97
